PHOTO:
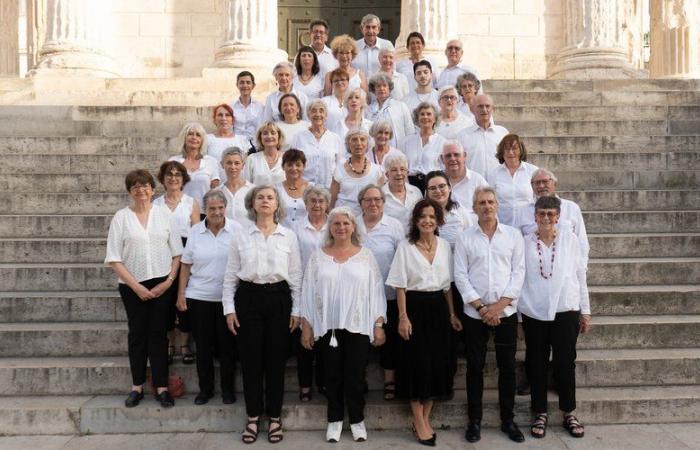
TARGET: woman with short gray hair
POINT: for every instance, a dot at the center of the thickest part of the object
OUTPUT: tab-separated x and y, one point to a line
236	186
400	195
382	134
423	149
284	76
386	108
452	122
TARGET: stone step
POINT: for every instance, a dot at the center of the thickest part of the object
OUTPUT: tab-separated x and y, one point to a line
641	85
614	144
80	165
626	179
61	225
644	245
641	221
592	98
107	414
581	162
643	271
655	300
110	375
634	200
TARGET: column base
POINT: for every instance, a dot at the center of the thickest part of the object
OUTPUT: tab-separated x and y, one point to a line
594	63
237	56
74	62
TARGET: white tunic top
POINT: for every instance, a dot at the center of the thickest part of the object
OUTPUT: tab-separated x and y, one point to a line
347	296
258	260
272	112
208	255
335	111
489	269
313	89
394	112
449	75
291	130
322	155
372	155
247	118
480	146
422	158
310	238
413	99
382	240
410	270
294	207
450	130
235	203
513	192
367	59
350	187
217	145
341	129
399	210
258	172
457	220
147	252
182	215
463	190
200	179
565	290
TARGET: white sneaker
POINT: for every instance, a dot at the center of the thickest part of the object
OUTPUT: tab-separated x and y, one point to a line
333	431
359	432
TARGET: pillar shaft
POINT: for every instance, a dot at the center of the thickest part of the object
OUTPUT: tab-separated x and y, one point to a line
436	20
9	40
675	39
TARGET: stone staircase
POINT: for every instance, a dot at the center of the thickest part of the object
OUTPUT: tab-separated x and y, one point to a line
627	151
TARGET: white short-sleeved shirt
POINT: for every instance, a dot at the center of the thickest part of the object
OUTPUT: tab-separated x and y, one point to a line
313	89
410	270
200	179
450	130
422	158
310	239
394	112
235	203
347	295
146	253
463	190
208	255
350	187
367	59
258	172
457	220
262	261
182	215
322	155
513	192
372	155
566	290
247	118
413	99
405	66
294	207
382	240
480	145
335	110
399	210
217	145
341	128
272	111
291	130
449	75
326	60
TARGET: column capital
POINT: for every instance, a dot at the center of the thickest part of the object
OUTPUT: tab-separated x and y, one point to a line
436	20
674	39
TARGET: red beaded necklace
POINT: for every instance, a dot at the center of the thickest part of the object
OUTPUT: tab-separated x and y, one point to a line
539	254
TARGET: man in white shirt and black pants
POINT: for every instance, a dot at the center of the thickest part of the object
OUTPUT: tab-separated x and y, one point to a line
489	271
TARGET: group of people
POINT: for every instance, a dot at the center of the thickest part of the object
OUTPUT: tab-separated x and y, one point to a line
319	225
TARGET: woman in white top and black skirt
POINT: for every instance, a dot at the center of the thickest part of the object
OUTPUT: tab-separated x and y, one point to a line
421	273
554	307
344	307
261	303
143	249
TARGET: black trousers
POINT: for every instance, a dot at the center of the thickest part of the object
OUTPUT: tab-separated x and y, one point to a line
148	336
263	311
388	351
344	368
176	318
306	369
559	335
477	336
212	336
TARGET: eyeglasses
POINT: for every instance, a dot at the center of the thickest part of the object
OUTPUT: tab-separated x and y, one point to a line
454	47
441	186
317	201
547	214
538	182
139	187
449	98
174	175
372	200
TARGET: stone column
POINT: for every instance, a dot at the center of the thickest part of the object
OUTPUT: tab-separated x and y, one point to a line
250	40
9	38
675	39
436	20
594	41
75	39
36	29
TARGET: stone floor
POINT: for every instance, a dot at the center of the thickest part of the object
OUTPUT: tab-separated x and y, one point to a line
678	436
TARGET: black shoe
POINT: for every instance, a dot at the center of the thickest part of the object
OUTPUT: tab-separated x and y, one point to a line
523	388
228	398
133	399
513	432
203	398
165	399
473	433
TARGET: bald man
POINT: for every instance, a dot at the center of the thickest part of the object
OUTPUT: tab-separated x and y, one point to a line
481	139
454	51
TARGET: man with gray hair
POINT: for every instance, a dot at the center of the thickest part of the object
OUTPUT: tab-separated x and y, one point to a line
368	58
463	181
481	139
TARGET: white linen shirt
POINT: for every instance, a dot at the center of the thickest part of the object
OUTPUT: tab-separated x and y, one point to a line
347	296
272	112
146	253
566	290
422	158
367	59
310	239
235	203
489	269
457	220
208	255
382	240
413	99
450	130
322	155
449	75
335	111
217	145
481	145
326	60
463	190
464	109
313	89
400	85
341	128
200	179
182	215
258	172
513	192
399	210
262	261
410	270
394	112
247	118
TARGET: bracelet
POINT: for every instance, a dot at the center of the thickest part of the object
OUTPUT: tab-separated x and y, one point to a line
478	308
171	278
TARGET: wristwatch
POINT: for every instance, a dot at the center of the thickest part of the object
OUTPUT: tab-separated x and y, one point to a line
478	308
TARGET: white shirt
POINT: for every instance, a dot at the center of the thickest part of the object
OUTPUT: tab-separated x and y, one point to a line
290	130
182	214
200	179
367	59
382	240
401	210
463	190
570	218
405	66
449	75
217	145
413	99
410	270
208	255
394	112
258	172
489	269
373	156
147	252
310	239
513	192
235	203
326	60
401	88
480	146
335	111
272	112
322	155
247	118
422	158
464	109
457	220
350	187
566	290
258	260
313	89
294	207
341	128
347	296
450	130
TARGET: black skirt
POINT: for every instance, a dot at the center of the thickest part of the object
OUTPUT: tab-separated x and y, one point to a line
425	366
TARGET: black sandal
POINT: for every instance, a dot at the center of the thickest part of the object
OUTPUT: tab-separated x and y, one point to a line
540	423
275	435
252	435
571	423
389	390
187	357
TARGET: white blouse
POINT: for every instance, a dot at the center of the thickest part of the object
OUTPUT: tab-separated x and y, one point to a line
272	112
394	112
247	118
200	179
147	252
341	128
373	156
382	240
410	270
208	255
463	190
258	260
350	186
310	238
566	290
336	111
294	207
258	172
313	89
422	158
322	155
182	215
513	192
348	295
450	130
413	99
235	203
291	130
217	145
464	109
457	220
401	210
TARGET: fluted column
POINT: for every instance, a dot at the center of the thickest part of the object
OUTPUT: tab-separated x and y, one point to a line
75	39
595	42
675	39
250	36
436	20
9	43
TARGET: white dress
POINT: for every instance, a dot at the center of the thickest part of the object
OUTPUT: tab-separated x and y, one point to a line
313	89
200	179
258	172
350	187
182	215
